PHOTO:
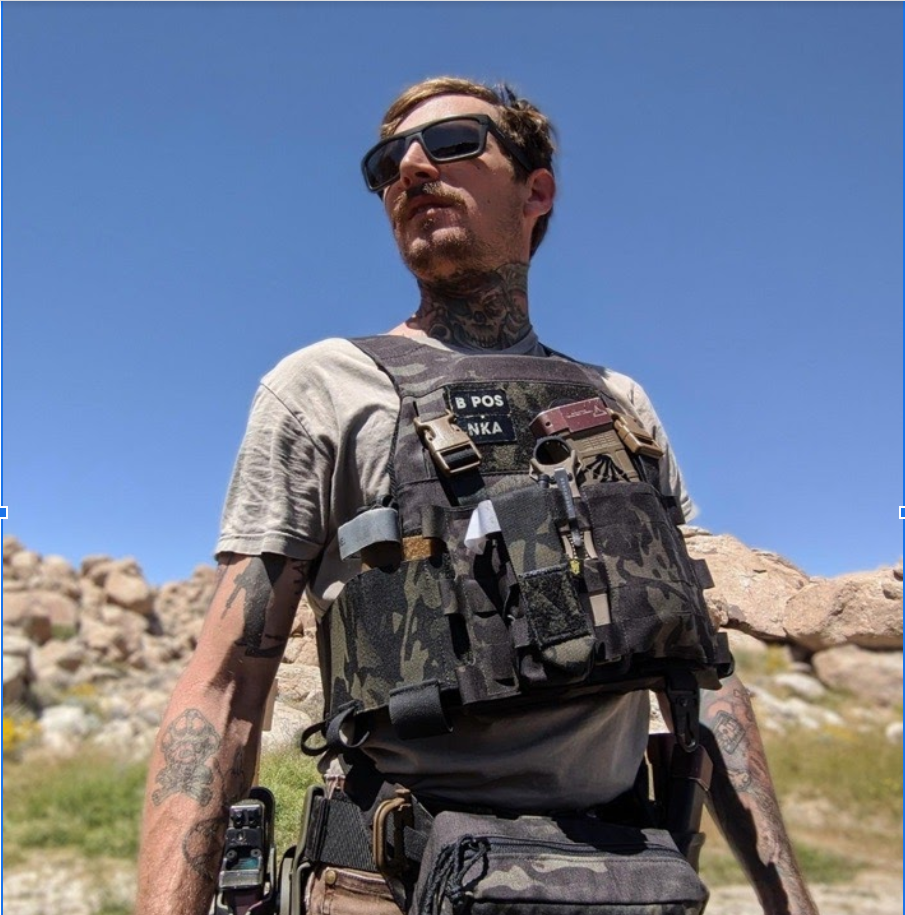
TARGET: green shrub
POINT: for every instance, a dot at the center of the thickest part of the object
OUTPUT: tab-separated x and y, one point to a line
288	774
91	803
719	867
860	773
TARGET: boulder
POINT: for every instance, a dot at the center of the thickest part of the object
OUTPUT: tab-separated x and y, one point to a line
17	675
304	623
66	655
11	546
23	565
127	589
286	726
803	685
39	613
864	608
113	639
57	574
95	567
751	587
180	606
17	646
780	715
300	686
874	677
64	727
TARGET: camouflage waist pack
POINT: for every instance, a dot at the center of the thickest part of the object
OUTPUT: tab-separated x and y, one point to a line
485	865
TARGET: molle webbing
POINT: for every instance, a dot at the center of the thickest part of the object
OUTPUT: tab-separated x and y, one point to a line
577	584
430	380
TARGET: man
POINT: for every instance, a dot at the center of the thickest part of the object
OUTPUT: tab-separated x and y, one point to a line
468	189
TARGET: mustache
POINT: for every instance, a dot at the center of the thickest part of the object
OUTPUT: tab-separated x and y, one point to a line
429	189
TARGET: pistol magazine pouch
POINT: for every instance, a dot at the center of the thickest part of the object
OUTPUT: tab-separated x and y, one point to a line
588	586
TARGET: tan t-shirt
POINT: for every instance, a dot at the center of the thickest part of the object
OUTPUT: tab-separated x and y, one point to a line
315	451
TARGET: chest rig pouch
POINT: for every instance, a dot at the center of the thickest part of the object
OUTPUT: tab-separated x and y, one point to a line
525	551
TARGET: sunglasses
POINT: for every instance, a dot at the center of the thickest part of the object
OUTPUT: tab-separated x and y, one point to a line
445	140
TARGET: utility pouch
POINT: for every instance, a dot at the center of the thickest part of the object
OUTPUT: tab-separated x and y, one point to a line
531	865
656	603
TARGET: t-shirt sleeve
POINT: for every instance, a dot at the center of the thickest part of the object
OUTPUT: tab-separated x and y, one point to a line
278	498
672	481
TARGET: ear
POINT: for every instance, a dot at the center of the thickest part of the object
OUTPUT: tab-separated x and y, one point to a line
540	190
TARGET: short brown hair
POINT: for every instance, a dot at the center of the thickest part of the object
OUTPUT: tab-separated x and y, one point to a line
519	119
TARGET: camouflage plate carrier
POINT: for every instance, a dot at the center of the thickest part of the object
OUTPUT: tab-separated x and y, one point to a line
525	550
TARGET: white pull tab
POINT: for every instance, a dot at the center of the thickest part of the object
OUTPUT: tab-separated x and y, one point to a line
482	523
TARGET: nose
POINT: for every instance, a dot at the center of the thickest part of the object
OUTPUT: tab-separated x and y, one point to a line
416	166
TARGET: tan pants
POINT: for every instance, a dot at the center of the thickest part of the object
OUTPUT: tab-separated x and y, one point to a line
342	891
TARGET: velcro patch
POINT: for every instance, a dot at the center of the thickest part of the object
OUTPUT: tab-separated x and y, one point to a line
478	401
488	429
483	413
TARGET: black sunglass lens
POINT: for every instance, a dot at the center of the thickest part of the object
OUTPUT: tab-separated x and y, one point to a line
383	164
454	140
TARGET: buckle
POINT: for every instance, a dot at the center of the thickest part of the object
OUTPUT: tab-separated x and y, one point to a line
452	449
684	696
392	863
634	436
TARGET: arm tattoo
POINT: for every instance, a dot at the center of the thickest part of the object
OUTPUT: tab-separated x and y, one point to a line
233	778
745	803
257	582
187	745
300	567
201	846
728	731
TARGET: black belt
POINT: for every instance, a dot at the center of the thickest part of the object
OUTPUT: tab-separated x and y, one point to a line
389	837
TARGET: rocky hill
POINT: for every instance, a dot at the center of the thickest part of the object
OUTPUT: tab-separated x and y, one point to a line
100	632
93	652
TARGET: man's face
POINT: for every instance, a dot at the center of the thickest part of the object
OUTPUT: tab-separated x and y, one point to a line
451	217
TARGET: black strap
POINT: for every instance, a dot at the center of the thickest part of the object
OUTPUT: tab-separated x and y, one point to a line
417	710
684	696
338	835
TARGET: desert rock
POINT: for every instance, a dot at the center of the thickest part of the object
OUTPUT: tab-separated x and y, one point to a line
864	608
751	587
861	672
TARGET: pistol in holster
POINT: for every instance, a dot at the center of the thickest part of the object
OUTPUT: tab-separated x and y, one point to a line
246	880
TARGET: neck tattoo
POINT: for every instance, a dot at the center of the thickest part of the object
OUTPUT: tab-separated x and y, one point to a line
479	309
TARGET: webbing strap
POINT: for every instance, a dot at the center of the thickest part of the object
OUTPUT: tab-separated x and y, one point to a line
338	836
417	711
377	525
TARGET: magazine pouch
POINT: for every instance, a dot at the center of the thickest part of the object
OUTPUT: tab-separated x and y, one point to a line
531	865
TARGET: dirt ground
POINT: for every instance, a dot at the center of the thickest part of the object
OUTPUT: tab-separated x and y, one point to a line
56	883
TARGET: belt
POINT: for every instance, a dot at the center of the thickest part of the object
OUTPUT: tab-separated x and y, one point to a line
390	837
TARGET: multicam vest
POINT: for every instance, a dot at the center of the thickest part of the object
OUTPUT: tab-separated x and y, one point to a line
525	551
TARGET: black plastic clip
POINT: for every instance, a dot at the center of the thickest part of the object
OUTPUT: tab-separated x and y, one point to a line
684	696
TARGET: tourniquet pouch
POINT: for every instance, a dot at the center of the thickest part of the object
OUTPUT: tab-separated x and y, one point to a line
531	865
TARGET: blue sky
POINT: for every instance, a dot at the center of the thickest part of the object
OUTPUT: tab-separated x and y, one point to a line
181	207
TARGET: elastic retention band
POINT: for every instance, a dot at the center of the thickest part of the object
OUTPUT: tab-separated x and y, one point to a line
417	710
